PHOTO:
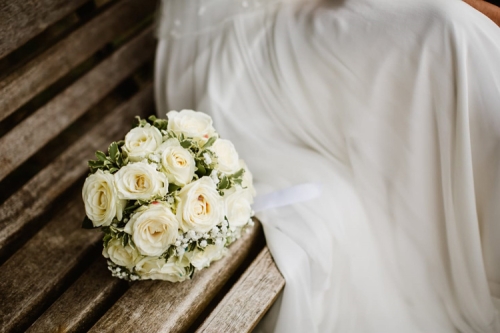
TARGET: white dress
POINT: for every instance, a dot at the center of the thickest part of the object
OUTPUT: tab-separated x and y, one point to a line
394	107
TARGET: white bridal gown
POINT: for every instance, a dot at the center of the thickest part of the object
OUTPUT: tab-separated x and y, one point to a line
394	107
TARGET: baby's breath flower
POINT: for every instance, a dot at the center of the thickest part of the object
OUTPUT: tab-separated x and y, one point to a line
207	159
214	177
180	251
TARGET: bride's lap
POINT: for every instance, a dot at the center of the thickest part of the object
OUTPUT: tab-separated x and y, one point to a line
393	105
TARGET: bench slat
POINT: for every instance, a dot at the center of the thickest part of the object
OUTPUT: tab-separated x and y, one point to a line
35	196
158	306
20	20
82	303
22	142
36	272
248	300
57	61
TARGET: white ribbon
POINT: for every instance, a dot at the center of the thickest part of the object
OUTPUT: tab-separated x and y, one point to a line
288	196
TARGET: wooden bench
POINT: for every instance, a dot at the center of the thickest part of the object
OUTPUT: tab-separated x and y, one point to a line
73	74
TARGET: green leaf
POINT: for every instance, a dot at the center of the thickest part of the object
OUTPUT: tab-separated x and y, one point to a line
119	160
113	151
238	174
100	156
140	122
125	239
210	142
186	144
95	164
131	208
152	118
191	271
173	187
106	239
87	223
224	183
201	169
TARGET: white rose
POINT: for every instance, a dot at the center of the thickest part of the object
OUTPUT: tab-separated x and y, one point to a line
125	256
177	162
101	199
247	182
201	259
159	269
197	125
227	157
140	181
238	207
142	141
200	206
153	229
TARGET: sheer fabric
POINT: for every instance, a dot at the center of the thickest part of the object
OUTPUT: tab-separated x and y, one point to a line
394	107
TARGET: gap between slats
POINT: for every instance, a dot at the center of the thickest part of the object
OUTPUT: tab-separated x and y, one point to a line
24	210
85	301
56	146
40	270
60	59
16	146
21	20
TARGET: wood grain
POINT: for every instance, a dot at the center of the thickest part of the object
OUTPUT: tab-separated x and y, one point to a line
82	303
35	131
37	272
57	61
248	300
35	196
158	306
21	20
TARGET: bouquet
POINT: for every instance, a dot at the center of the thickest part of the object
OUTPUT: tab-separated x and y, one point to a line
170	198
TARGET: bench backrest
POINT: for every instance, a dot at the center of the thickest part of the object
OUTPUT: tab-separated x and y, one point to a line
73	74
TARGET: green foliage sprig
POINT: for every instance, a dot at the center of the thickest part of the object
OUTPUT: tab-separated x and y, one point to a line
112	162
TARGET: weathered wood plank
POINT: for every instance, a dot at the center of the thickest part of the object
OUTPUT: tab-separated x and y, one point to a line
57	61
158	306
82	303
37	271
35	196
21	20
22	142
248	300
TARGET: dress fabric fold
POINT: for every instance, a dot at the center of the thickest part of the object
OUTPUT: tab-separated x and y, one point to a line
394	107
